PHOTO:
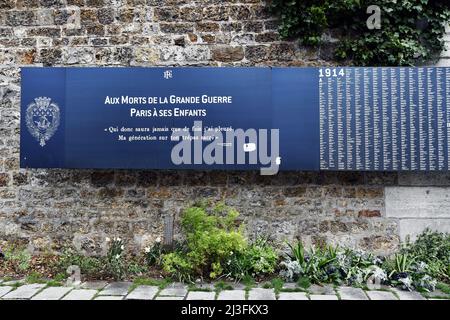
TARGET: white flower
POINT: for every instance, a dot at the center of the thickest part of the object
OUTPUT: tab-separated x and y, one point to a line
122	247
147	249
379	273
377	260
107	239
422	267
118	239
428	283
158	240
407	283
117	256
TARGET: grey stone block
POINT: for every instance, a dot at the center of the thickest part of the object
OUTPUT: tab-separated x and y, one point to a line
80	294
323	297
349	293
261	294
438	294
13	282
290	285
143	293
24	292
207	286
176	285
169	298
95	285
109	298
173	292
4	290
445	62
414	227
231	295
446	52
237	285
201	295
316	289
116	289
381	295
292	296
417	202
408	295
52	293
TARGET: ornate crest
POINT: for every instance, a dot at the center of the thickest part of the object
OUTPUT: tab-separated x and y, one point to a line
42	119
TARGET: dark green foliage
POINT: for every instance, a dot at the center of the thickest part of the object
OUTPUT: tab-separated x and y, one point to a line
215	246
91	267
433	248
259	258
212	237
411	30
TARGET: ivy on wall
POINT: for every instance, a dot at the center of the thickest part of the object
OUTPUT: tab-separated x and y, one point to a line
410	32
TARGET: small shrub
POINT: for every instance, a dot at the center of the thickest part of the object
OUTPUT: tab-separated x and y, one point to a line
263	258
211	239
92	267
177	264
258	259
432	248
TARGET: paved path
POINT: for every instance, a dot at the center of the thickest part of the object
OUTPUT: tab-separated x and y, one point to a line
101	290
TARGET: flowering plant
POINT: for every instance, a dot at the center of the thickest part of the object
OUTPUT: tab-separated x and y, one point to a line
153	254
115	259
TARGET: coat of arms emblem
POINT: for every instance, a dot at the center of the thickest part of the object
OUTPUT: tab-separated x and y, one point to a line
42	119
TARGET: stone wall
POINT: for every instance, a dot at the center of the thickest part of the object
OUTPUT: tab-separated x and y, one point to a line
47	209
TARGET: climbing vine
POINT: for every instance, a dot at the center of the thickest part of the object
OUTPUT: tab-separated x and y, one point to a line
410	31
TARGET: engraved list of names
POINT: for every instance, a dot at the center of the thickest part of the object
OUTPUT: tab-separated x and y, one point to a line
384	119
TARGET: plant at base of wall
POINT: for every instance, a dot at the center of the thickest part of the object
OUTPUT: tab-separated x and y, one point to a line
330	264
19	258
115	258
216	247
92	267
153	254
260	258
433	248
409	273
411	31
212	237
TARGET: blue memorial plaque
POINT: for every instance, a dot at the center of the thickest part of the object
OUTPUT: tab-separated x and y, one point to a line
340	118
